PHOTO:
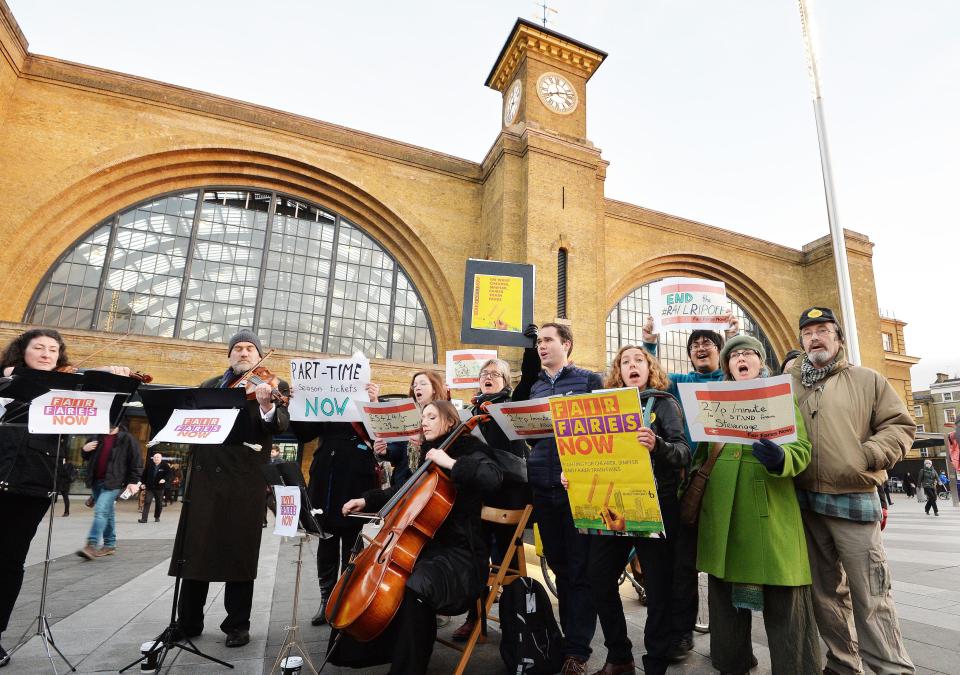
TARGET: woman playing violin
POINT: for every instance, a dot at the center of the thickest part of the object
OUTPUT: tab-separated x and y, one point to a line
451	571
27	462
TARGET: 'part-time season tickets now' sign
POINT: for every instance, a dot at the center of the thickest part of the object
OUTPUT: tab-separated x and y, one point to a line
323	390
70	412
682	303
740	412
610	473
202	427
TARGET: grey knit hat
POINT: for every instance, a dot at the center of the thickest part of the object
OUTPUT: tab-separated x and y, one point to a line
741	341
245	335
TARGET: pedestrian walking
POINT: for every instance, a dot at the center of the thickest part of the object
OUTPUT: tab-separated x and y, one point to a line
930	482
155	477
65	478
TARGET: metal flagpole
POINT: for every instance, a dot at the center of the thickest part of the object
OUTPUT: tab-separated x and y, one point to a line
852	343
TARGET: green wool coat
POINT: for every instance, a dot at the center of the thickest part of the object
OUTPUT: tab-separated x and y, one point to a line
750	530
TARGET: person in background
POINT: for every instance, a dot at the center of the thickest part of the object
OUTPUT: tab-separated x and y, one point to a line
113	466
858	428
930	482
275	455
788	360
154	478
751	541
65	478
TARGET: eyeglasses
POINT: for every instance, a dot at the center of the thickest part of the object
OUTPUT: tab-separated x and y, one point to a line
821	332
744	353
490	375
704	344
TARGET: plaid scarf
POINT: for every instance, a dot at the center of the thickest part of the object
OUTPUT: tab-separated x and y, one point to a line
811	375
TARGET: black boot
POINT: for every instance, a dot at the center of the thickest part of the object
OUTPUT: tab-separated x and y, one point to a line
320	618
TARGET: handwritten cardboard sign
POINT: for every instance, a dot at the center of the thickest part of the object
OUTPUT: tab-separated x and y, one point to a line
740	412
397	420
463	367
70	412
523	420
202	427
324	390
683	303
612	489
288	510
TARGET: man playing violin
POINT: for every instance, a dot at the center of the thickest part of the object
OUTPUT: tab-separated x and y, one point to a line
227	501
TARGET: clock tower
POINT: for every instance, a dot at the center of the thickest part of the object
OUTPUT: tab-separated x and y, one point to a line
543	201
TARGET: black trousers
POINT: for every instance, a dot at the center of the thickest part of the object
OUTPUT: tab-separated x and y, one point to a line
156	496
237	600
686	584
20	516
333	554
416	626
931	494
66	500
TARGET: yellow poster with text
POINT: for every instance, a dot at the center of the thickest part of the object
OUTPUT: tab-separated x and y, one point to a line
612	490
497	303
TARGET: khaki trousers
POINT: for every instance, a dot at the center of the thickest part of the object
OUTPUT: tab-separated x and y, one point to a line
851	596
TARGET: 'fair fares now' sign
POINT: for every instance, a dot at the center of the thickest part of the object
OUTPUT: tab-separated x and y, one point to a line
325	390
70	412
683	303
201	427
288	510
740	412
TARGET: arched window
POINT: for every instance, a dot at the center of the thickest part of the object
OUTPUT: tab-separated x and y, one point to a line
202	264
625	327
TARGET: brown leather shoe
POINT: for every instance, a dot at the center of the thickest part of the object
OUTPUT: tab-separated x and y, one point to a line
573	666
617	669
462	634
106	550
88	552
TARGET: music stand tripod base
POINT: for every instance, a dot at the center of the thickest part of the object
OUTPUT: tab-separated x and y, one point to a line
292	639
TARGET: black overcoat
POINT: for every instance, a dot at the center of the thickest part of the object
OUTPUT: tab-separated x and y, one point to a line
26	460
221	540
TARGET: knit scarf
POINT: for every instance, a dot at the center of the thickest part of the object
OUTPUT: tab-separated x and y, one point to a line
810	375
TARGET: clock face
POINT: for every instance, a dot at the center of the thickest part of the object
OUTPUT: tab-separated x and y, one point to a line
557	93
512	103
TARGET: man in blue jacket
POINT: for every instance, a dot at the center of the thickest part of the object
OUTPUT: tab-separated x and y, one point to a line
703	349
566	549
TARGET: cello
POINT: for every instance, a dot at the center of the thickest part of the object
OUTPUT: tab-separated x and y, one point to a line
369	592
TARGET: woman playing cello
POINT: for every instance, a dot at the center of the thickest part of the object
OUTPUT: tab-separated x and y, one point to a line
451	571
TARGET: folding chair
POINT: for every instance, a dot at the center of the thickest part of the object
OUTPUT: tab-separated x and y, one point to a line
500	574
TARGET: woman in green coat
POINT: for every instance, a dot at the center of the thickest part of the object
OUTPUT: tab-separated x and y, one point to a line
751	543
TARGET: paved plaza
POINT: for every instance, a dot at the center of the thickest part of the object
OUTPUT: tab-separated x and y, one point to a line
102	610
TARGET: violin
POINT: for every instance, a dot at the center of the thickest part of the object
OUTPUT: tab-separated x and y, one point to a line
135	374
369	592
258	375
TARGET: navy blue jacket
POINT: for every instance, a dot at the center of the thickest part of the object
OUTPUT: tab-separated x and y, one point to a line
543	465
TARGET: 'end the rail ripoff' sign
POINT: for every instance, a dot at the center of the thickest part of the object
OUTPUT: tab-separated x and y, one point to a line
740	412
683	303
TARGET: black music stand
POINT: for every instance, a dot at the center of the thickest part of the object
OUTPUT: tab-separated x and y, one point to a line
24	386
159	405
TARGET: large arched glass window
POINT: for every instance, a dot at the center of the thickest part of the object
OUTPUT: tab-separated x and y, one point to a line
200	265
625	327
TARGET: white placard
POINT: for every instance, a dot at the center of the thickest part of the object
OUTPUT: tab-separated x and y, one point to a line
685	303
467	413
325	390
200	427
524	420
70	412
463	367
740	412
288	510
397	420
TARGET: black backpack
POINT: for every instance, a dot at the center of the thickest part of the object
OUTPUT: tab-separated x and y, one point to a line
531	640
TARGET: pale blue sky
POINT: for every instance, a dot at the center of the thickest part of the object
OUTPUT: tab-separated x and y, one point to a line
702	108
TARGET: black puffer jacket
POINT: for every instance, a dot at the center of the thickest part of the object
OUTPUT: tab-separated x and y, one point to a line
452	568
343	467
26	460
671	456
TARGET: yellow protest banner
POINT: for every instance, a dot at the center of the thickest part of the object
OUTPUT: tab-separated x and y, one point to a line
612	490
497	303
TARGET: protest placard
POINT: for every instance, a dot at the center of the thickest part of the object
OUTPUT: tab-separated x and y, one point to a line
612	489
202	427
683	303
397	420
740	412
523	420
463	367
70	412
497	303
465	414
288	510
324	389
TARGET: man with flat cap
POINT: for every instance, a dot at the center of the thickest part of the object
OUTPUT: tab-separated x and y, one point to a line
859	428
227	501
